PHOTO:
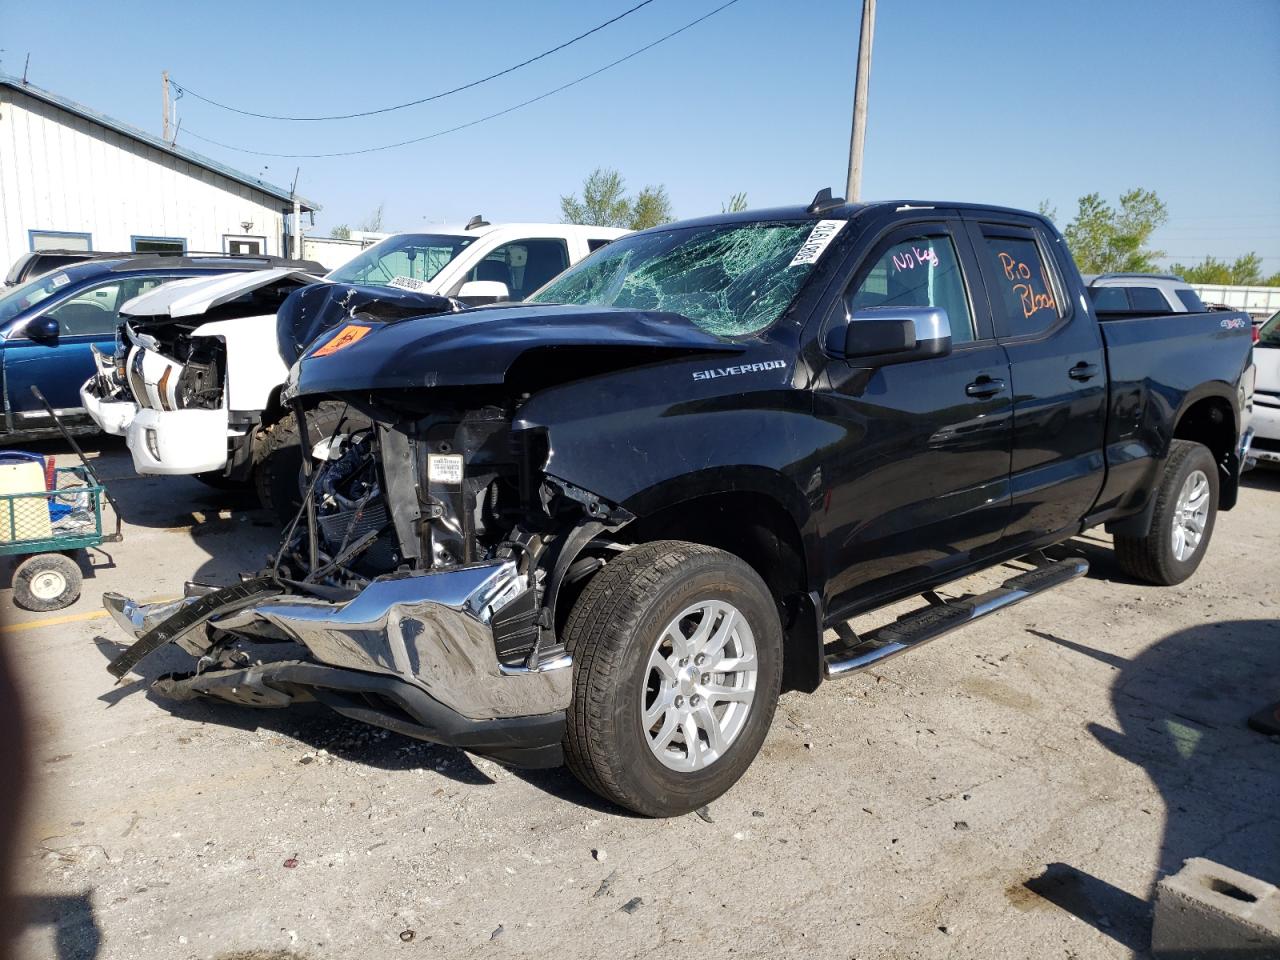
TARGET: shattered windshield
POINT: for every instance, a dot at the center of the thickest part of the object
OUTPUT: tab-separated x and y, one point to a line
401	260
729	279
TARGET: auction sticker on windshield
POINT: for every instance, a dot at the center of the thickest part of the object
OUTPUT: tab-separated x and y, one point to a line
822	234
408	283
344	338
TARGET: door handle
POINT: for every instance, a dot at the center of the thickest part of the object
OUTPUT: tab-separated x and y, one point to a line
985	387
1083	371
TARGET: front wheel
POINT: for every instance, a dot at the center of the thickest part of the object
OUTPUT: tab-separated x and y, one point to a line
677	654
1182	522
278	472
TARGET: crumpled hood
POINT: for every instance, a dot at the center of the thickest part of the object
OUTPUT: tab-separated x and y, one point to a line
482	345
311	311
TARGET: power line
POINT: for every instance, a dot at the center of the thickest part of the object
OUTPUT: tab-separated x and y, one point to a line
470	123
434	96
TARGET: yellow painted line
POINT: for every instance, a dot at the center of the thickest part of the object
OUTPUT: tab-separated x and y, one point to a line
52	621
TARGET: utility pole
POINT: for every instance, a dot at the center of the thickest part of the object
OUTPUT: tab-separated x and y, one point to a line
164	82
858	137
297	216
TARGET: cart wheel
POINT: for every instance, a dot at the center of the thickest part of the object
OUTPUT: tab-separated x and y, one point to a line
46	581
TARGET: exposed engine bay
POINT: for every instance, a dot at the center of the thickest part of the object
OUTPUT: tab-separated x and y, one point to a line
450	489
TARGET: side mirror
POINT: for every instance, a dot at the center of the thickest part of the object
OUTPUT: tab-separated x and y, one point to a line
892	335
478	292
44	328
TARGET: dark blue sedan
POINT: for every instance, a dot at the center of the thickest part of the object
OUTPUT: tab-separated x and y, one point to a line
48	326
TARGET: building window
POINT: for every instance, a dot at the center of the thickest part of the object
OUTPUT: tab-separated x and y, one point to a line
245	246
159	245
59	240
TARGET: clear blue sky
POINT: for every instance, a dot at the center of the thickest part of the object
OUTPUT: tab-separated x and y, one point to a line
1003	101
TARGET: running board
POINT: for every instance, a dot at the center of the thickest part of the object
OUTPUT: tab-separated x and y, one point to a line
917	629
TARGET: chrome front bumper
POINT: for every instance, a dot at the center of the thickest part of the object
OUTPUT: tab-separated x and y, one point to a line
432	632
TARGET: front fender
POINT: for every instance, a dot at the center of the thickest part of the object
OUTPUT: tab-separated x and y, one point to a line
255	368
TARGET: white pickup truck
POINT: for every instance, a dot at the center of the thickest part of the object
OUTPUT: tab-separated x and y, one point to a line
194	382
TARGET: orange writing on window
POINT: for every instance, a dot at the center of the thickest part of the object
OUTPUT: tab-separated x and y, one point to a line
344	338
1019	274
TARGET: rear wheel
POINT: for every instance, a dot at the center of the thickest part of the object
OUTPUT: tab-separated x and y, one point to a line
46	581
1182	523
677	664
278	473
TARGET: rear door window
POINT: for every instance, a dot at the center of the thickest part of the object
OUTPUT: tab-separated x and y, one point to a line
1023	292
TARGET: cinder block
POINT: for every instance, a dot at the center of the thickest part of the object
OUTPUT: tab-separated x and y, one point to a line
1210	912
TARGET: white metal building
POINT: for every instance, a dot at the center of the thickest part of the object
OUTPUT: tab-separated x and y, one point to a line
72	178
1258	302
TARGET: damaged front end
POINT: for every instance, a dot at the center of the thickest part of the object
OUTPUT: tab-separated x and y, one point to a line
415	590
422	584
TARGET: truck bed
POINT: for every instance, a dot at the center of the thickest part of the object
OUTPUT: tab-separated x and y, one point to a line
1158	367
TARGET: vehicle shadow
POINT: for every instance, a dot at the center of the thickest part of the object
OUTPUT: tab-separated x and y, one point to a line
318	728
309	724
1182	707
76	934
1262	478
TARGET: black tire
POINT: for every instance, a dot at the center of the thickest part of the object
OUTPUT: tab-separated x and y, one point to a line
278	471
1152	558
46	581
611	632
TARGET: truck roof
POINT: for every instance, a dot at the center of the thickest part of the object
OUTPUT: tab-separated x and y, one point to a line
842	211
479	230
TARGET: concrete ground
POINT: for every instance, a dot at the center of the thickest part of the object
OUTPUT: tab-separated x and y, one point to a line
1014	790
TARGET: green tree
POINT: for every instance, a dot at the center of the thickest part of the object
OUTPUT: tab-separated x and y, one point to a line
651	207
737	203
1104	239
604	203
341	232
1244	271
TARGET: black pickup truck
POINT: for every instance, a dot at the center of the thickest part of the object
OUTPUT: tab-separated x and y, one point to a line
608	525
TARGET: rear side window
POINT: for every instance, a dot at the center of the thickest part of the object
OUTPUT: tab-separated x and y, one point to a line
1148	300
1191	300
1023	297
595	243
1109	299
921	271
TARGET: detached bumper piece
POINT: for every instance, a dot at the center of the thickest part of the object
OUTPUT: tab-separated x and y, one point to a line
411	653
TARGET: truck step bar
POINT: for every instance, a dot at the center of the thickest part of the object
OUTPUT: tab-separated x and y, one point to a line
917	629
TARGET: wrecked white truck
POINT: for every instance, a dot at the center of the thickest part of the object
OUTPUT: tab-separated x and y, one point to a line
607	526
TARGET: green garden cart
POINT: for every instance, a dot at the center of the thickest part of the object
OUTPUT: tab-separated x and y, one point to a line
50	525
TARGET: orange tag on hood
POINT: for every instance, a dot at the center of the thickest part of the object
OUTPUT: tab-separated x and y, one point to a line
344	338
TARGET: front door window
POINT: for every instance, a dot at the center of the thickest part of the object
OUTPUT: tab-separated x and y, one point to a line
919	271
